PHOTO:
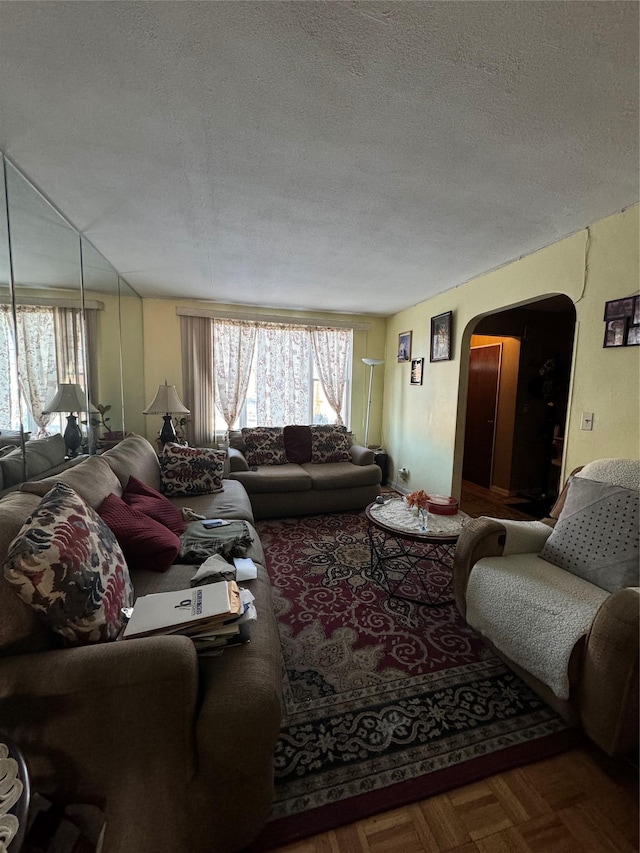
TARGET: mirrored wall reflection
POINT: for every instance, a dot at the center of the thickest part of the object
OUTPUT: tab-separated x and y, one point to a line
62	389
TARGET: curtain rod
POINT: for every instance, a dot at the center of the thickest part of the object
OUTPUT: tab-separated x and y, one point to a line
52	302
272	318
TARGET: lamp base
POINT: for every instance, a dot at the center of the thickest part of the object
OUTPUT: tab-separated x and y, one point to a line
168	433
72	436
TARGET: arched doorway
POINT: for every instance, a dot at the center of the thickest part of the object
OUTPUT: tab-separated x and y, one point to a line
519	371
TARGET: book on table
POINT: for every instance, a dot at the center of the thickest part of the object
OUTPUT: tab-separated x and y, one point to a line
197	610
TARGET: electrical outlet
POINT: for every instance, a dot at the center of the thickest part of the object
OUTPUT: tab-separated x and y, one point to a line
403	473
587	421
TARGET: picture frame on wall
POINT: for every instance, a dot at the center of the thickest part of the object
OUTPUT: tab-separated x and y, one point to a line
615	309
633	335
417	365
615	332
404	346
441	337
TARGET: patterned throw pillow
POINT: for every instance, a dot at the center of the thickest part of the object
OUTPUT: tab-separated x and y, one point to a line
191	470
67	565
330	443
146	499
596	535
263	446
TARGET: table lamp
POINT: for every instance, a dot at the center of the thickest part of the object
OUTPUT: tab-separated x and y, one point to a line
165	403
69	398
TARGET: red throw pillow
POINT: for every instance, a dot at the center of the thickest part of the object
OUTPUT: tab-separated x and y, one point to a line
146	499
297	443
145	542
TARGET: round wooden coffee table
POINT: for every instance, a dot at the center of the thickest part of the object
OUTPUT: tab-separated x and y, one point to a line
412	556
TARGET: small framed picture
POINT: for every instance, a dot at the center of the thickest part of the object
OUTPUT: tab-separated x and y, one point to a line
615	332
635	320
441	337
617	308
416	370
633	336
404	346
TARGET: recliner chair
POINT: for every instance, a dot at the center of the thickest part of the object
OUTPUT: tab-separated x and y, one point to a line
558	599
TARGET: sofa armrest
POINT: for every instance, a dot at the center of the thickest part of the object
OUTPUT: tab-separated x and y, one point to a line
108	724
361	455
609	685
492	537
237	461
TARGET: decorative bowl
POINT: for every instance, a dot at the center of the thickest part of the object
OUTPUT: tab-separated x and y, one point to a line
442	505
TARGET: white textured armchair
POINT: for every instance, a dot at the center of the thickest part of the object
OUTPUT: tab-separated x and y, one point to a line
559	599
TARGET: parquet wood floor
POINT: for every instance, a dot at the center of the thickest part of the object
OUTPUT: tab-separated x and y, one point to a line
576	802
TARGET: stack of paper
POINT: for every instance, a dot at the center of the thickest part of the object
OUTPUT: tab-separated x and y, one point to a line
180	610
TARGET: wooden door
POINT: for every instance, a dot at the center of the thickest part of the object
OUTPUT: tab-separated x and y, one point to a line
482	404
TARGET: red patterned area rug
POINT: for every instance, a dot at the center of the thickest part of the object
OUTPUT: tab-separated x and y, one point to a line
385	701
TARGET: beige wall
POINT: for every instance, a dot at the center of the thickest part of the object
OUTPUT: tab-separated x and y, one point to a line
423	426
162	356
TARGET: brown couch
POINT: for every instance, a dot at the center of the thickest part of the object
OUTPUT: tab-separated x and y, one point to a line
177	750
307	488
602	669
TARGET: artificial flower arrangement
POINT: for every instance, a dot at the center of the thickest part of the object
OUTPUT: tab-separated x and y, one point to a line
418	499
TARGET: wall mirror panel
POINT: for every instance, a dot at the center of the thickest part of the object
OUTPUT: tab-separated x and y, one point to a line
61	338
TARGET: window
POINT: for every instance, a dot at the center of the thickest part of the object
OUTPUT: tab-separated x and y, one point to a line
283	382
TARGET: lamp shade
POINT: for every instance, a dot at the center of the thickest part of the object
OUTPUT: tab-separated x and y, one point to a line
68	398
373	361
165	401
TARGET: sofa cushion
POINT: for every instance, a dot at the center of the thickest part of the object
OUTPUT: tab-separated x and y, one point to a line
263	446
134	455
145	542
51	447
274	478
342	475
232	503
330	443
596	535
150	502
92	479
191	470
297	443
12	436
67	565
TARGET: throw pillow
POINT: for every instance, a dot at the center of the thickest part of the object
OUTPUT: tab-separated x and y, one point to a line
263	446
67	565
297	443
596	535
146	499
330	443
191	470
145	542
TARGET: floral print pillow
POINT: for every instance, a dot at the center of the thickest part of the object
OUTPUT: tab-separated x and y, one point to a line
191	470
330	443
263	446
67	565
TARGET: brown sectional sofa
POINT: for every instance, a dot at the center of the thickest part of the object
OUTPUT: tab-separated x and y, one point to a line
305	488
177	750
43	457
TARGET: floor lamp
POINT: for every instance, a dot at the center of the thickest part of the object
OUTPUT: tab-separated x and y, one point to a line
372	363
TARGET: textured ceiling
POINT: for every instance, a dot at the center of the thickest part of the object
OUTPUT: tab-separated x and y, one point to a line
352	156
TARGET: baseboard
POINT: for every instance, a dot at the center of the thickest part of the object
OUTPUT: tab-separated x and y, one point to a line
399	486
506	493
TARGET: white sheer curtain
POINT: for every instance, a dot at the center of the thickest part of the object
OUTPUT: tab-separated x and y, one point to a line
283	389
37	360
9	396
233	344
331	350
